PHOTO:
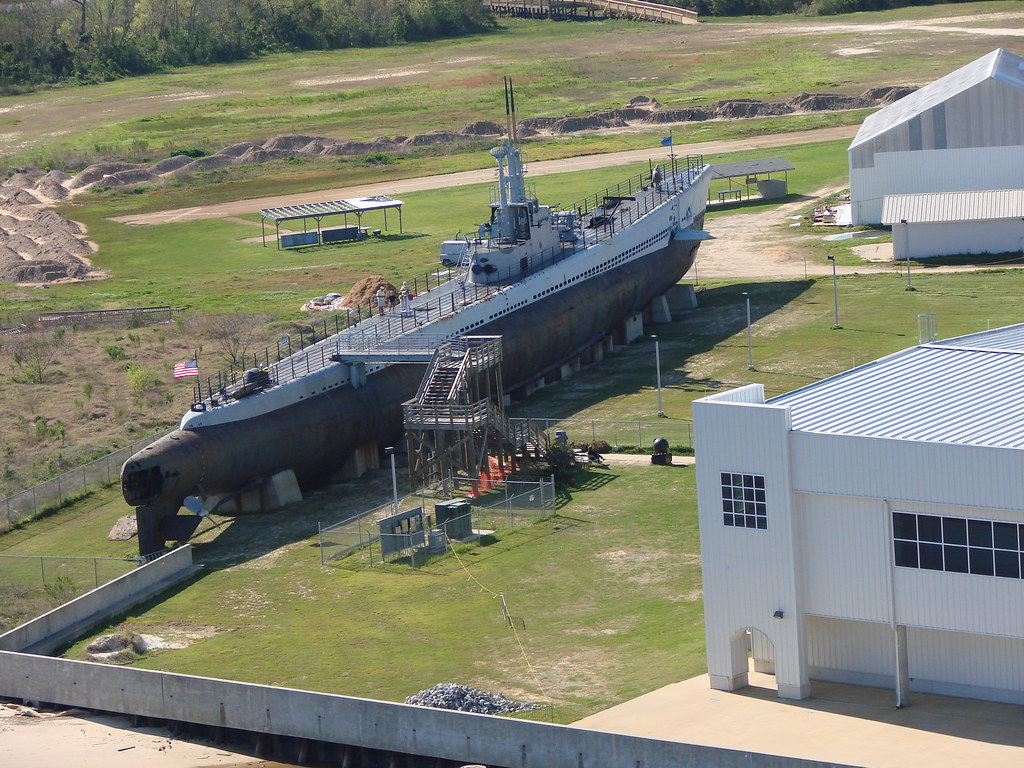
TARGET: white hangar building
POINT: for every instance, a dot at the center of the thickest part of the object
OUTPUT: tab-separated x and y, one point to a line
869	528
963	132
952	223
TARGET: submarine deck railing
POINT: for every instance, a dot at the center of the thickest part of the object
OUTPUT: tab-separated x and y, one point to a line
446	297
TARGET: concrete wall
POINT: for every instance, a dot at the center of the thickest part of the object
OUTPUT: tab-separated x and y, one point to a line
49	631
402	728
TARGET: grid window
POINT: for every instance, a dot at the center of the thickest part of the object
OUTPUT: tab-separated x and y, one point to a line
958	545
743	501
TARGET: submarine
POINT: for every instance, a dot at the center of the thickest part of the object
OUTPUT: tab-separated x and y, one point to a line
552	283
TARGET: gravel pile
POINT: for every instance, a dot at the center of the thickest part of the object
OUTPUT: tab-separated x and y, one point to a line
465	699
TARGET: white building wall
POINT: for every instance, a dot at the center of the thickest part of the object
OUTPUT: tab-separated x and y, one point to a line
932	170
749	574
962	664
922	241
846	560
939	473
959	601
855	652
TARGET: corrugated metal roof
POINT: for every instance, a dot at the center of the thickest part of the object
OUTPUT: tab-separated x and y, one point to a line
965	391
330	208
999	63
953	206
748	167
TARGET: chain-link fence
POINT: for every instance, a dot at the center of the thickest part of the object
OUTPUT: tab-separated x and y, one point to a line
31	585
26	505
83	573
359	539
621	435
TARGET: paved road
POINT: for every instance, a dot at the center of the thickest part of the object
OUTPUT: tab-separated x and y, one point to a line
464	178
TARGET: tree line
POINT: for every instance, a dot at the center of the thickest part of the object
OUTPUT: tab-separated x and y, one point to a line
53	41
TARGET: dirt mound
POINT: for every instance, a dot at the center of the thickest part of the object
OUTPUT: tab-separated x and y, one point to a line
429	139
68	243
482	128
574	124
169	164
540	123
18	195
21	180
21	244
644	102
827	102
255	155
55	221
316	147
15	269
127	178
625	113
239	149
288	143
730	108
364	292
348	148
56	175
688	115
97	171
887	94
52	190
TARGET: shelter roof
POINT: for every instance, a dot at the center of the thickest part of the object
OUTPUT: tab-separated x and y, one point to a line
750	167
953	206
313	210
999	64
965	391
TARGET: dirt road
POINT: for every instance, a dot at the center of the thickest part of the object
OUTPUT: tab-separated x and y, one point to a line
464	178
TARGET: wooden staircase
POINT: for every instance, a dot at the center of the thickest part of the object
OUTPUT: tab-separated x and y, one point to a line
456	423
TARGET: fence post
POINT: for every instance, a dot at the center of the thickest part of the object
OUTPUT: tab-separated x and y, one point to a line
96	571
320	540
639	436
42	570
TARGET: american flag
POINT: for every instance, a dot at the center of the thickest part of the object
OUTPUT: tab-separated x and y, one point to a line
186	368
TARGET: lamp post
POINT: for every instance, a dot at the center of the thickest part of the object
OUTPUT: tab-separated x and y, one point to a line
750	342
835	294
394	478
657	364
906	243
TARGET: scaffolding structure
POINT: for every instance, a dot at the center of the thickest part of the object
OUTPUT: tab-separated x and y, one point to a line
456	424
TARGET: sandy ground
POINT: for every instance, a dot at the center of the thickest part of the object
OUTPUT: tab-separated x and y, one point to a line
52	740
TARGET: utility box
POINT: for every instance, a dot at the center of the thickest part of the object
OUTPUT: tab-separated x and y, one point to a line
771	189
401	531
455	518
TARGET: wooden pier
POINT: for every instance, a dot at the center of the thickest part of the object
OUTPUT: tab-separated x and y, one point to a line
637	10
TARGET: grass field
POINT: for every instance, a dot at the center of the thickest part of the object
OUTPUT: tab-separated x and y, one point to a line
608	591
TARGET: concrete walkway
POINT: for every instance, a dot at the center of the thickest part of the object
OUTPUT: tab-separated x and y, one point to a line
845	724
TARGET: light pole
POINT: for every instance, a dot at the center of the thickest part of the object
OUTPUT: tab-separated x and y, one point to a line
750	342
906	242
835	293
657	364
394	478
